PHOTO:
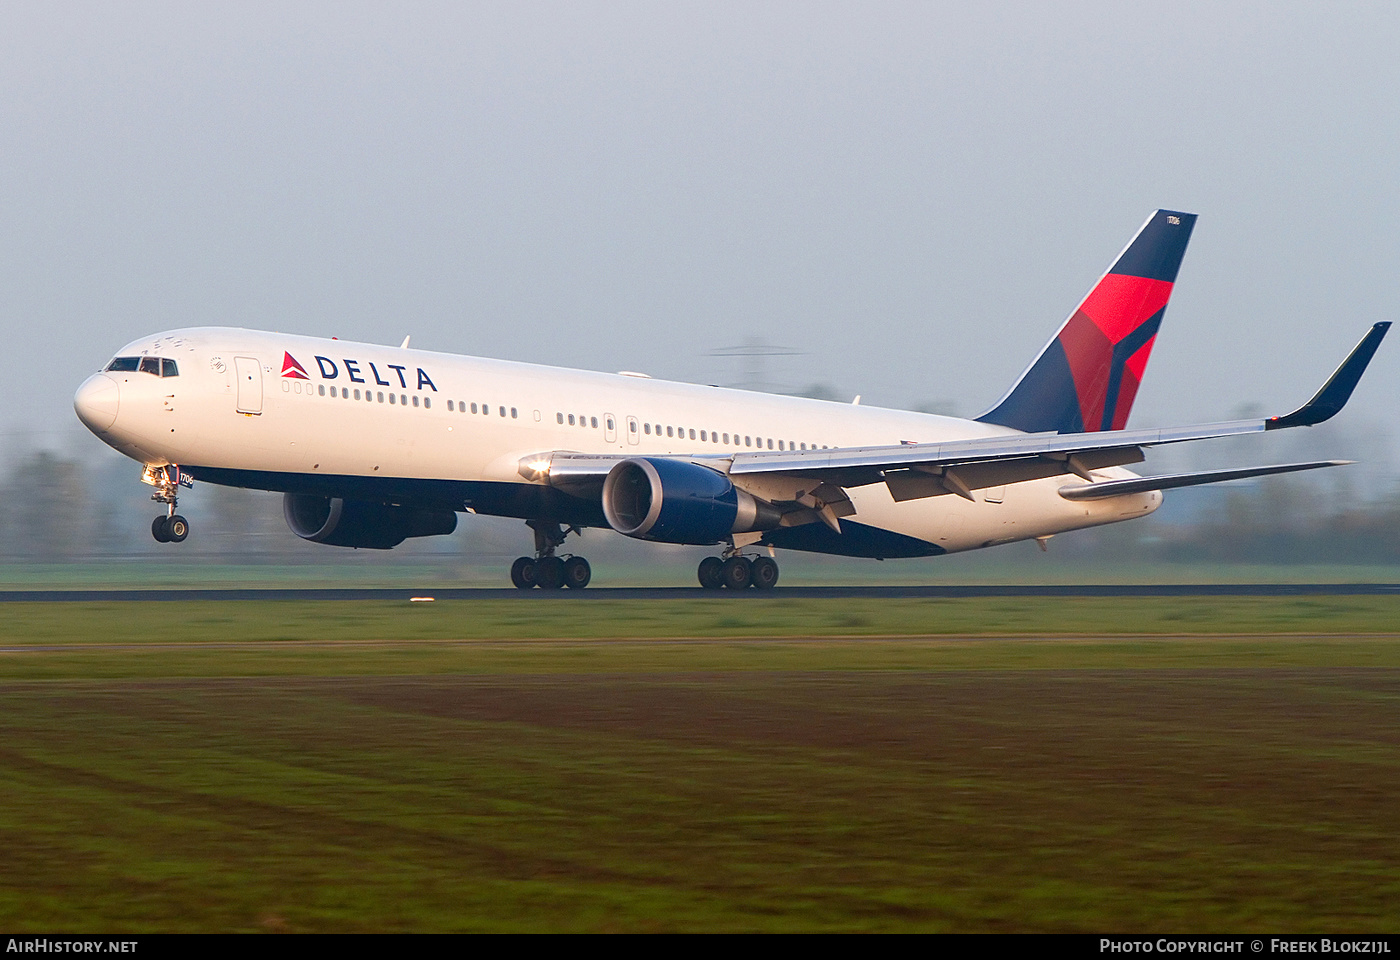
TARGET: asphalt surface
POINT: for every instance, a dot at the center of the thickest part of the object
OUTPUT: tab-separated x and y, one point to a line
678	593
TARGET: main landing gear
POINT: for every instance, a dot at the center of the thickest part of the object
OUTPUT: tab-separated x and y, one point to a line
544	569
736	572
170	528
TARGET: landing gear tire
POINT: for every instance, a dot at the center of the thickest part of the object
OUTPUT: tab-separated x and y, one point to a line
549	573
522	573
160	529
709	573
577	573
764	573
736	573
177	528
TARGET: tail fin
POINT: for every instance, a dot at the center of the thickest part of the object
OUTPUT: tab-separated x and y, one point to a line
1088	374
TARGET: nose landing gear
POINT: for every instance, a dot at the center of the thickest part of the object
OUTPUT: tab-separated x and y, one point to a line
544	569
171	528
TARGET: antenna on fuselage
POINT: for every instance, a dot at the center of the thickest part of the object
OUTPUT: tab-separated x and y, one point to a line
404	345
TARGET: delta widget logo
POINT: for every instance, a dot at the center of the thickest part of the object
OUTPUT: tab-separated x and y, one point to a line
291	368
331	370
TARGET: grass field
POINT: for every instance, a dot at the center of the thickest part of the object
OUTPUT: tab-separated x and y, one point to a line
1008	764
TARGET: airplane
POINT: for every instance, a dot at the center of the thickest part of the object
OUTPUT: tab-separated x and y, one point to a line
371	445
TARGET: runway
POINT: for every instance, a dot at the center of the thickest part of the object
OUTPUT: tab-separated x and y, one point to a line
934	592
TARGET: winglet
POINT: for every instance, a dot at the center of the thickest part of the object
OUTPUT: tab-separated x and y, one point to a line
1337	390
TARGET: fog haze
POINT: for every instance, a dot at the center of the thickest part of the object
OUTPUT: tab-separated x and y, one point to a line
910	196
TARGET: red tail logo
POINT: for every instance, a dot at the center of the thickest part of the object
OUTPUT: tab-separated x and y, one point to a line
290	367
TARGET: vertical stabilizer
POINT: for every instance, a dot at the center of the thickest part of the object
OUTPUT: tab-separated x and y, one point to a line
1088	374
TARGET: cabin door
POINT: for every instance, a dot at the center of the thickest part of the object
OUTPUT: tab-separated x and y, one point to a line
250	392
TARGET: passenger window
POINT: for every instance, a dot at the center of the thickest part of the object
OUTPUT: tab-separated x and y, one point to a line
593	422
168	369
770	443
415	399
450	408
571	419
513	414
124	364
427	402
503	411
668	432
692	434
632	425
381	398
702	435
150	365
647	428
748	442
321	389
391	399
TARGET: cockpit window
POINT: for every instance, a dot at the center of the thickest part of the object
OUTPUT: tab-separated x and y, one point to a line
150	365
168	369
124	364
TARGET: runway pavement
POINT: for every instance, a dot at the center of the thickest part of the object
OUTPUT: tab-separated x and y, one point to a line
941	591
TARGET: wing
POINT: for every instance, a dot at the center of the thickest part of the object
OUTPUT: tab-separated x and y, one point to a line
814	481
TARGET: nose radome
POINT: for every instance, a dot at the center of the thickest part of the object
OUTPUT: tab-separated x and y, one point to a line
96	402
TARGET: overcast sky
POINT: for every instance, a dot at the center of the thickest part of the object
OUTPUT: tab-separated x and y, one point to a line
912	196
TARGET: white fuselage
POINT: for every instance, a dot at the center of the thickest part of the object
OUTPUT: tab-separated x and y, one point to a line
370	412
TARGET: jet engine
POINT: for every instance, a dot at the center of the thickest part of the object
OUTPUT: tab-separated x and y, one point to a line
673	501
357	523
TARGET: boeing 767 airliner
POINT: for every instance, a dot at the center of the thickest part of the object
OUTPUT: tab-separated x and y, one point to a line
371	445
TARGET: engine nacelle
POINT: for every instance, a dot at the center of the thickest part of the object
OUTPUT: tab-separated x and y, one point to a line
357	523
672	501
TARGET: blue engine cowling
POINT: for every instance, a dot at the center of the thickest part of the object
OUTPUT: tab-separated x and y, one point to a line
356	523
674	501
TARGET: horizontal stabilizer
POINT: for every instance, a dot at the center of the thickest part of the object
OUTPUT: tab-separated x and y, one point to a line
1119	488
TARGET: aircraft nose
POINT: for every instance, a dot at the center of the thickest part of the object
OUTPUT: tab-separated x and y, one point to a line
96	402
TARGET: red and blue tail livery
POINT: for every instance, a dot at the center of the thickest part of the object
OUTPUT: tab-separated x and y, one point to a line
1088	374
